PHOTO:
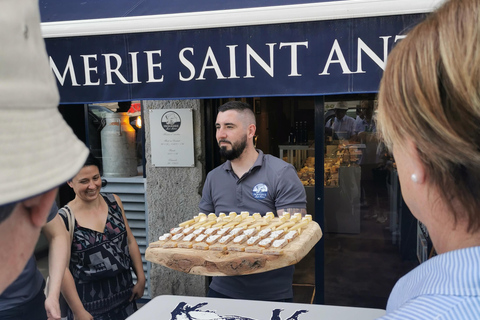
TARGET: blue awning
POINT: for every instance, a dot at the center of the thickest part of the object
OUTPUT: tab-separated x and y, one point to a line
130	50
100	9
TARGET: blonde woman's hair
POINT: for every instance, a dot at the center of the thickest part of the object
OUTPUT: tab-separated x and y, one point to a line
430	93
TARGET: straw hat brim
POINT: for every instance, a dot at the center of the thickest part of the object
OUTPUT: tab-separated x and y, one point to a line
39	152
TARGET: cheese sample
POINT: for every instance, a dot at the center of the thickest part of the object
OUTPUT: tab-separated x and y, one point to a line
188	230
254	249
201	238
276	248
200	246
264	233
178	237
279	243
170	244
236	231
211	231
165	237
226	239
276	234
240	239
212	239
186	241
224	231
250	232
265	243
189	237
221	244
176	230
253	241
185	244
199	231
291	235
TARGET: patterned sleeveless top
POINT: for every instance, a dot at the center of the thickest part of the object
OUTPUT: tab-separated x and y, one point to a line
100	262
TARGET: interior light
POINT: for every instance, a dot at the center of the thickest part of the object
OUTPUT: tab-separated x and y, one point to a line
138	122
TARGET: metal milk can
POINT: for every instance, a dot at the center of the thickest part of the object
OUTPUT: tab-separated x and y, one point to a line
118	146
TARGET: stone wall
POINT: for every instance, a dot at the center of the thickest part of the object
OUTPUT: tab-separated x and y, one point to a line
172	196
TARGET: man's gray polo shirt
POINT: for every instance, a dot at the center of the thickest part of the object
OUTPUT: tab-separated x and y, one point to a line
270	185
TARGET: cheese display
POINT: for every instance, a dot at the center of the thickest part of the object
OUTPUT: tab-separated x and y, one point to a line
235	244
307	173
337	156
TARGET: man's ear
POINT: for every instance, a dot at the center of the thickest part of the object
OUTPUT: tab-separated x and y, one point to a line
39	207
251	130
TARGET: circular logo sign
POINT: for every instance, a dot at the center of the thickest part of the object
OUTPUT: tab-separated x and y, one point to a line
171	121
260	191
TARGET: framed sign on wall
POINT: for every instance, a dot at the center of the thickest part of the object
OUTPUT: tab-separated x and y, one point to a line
171	134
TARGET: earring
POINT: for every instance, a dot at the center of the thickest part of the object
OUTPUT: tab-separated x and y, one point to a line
414	177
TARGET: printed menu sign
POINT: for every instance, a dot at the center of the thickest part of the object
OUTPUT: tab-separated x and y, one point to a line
171	134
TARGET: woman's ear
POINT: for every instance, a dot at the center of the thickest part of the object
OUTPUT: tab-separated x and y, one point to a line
417	166
69	182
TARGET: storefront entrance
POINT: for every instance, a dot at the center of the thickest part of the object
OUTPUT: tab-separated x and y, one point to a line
364	251
288	67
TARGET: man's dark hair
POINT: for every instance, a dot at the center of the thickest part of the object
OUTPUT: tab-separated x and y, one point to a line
234	105
6	210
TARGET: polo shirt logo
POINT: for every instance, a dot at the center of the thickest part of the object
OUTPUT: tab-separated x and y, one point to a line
260	191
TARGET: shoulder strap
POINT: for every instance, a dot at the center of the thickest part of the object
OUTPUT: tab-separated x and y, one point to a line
109	196
70	220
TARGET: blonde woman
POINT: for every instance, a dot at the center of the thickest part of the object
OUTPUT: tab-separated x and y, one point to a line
429	116
98	284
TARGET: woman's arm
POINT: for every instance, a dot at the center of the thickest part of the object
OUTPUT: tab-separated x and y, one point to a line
68	288
137	291
70	294
58	256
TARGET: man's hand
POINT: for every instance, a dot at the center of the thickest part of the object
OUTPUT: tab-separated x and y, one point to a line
52	307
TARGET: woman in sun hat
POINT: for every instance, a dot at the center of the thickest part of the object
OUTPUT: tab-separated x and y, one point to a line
429	116
38	150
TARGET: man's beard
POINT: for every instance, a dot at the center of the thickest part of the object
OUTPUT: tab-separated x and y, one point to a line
235	152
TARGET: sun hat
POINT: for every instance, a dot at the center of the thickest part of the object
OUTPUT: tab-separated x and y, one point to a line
39	151
341	105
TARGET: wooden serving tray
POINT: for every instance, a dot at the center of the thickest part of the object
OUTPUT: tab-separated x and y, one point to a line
230	263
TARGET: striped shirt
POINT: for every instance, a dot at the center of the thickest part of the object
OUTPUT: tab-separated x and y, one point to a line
344	127
445	287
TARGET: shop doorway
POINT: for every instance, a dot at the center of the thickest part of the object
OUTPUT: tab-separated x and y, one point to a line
349	187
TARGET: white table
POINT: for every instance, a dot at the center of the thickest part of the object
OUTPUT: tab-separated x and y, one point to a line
199	308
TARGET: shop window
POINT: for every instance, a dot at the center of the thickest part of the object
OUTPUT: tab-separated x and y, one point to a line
115	137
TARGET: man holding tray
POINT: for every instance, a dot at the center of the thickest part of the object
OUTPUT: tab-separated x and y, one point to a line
250	181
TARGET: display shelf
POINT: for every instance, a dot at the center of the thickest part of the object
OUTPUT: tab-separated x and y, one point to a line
296	154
